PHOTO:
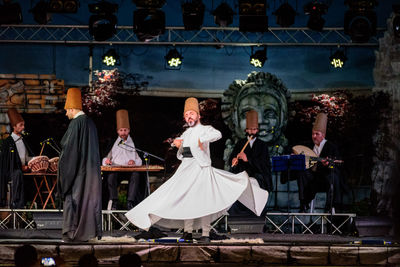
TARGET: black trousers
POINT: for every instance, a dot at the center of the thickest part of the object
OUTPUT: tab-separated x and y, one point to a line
310	183
113	180
17	190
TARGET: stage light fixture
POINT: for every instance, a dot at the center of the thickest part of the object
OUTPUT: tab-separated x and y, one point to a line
258	58
63	6
252	16
39	12
360	20
10	13
223	15
148	23
338	58
102	25
111	58
285	15
193	14
315	10
149	3
173	60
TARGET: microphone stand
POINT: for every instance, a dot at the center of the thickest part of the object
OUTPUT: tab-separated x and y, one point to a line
147	162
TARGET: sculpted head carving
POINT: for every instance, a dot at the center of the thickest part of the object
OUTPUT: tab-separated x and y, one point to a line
264	93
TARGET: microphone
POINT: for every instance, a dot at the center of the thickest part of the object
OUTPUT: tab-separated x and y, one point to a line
46	141
24	133
121	142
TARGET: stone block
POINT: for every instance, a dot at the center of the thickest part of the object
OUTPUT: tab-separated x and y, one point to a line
47	76
394	256
33	96
46	251
57	83
27	76
309	255
7	76
198	253
142	250
31	82
51	97
3	82
270	254
35	101
344	255
7	252
107	253
17	99
4	118
235	254
164	253
373	255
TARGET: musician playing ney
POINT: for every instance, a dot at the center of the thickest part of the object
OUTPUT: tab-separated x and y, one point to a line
318	178
14	156
123	153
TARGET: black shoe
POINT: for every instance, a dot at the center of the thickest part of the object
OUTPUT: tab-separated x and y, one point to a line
187	236
130	205
215	236
204	239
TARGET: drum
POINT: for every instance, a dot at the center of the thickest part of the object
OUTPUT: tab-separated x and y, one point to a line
39	164
53	164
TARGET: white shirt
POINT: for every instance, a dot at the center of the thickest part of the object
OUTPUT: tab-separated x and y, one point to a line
78	114
122	152
23	155
318	149
252	141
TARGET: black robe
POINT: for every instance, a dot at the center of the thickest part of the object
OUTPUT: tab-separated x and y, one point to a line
258	164
312	181
79	180
11	169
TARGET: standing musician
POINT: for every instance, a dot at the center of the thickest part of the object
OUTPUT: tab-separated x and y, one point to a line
122	153
320	177
253	157
15	154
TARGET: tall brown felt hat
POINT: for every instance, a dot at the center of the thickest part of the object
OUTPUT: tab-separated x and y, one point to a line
122	119
191	104
74	99
14	116
251	119
320	123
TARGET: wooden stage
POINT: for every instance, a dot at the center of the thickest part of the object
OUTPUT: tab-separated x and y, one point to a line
252	243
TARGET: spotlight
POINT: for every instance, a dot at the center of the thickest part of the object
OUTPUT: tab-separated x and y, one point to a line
360	20
40	14
102	25
252	16
338	59
148	23
285	15
258	58
173	60
111	58
193	14
63	6
223	15
315	10
10	13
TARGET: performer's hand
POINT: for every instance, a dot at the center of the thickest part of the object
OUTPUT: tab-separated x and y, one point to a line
131	163
242	156
201	145
178	142
25	168
234	162
325	162
108	161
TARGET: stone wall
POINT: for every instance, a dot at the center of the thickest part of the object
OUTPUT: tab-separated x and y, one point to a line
29	93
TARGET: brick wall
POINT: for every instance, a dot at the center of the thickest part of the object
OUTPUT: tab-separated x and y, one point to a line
29	93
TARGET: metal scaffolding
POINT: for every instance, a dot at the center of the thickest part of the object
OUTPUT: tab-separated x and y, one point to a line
206	36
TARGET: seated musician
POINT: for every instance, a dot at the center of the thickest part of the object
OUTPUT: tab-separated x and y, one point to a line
318	178
15	154
122	153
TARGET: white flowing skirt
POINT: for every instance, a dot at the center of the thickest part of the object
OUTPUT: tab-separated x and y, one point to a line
194	192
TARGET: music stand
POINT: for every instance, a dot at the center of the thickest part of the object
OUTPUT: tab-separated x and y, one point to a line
288	163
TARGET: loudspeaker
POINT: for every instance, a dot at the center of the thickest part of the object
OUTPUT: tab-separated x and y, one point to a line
48	220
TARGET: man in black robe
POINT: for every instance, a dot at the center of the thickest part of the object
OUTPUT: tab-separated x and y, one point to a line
254	159
323	177
14	156
79	177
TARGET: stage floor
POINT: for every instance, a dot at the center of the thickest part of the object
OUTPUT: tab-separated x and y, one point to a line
240	250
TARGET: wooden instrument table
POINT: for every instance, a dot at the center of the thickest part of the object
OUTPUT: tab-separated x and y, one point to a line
39	178
143	168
